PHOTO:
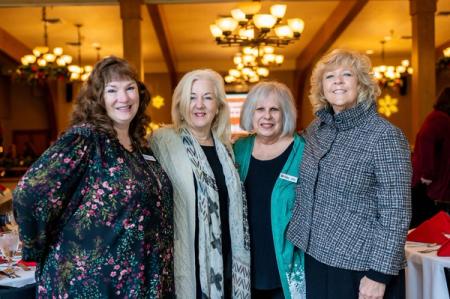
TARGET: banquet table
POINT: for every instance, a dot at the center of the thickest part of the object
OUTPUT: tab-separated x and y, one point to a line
425	276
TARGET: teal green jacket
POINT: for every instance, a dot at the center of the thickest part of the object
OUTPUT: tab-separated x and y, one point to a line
289	259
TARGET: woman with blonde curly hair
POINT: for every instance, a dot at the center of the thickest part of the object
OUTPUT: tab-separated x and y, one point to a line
352	210
95	211
212	257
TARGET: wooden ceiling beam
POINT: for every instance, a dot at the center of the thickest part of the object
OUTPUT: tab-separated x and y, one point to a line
344	13
339	19
164	43
12	46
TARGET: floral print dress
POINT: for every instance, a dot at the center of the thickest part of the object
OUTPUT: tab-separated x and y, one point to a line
98	219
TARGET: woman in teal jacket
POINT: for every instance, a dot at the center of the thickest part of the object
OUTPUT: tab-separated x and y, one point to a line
268	162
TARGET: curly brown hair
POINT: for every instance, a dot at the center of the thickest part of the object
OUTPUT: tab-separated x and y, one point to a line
90	105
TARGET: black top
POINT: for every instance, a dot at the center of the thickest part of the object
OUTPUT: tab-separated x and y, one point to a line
216	166
259	184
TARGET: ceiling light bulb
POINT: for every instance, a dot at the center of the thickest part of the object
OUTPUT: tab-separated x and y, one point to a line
279	59
262	71
67	59
49	57
405	63
60	61
269	49
297	25
278	10
238	15
269	57
30	58
73	68
264	21
400	69
229	79
74	76
42	62
58	51
234	73
247	33
446	52
85	76
227	25
247	50
284	31
237	59
88	68
215	30
250	8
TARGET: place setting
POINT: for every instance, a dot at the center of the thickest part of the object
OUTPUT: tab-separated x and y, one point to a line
13	271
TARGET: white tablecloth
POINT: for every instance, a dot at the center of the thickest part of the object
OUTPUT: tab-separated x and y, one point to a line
26	277
425	277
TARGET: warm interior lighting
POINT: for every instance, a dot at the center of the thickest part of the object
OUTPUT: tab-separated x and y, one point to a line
79	72
257	34
250	8
392	76
264	21
284	31
446	52
227	25
278	10
297	25
44	64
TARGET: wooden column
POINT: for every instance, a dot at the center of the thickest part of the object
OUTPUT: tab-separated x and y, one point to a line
130	12
423	61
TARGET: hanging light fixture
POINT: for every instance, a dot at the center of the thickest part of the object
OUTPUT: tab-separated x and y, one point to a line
77	71
247	27
251	64
392	76
44	64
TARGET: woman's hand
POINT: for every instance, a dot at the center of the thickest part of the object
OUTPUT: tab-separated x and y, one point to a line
371	289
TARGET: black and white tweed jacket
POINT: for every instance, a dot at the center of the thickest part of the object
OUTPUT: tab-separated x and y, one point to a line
353	197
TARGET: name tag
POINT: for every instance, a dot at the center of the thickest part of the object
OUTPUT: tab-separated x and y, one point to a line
288	177
149	158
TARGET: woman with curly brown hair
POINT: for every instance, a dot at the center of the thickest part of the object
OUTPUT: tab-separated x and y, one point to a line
95	211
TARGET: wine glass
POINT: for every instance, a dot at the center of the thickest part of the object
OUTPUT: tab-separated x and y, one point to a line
9	243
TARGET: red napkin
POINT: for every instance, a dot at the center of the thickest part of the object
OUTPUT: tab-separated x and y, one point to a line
28	264
432	230
3	260
445	249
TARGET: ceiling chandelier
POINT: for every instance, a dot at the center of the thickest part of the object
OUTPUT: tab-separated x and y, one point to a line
392	76
257	35
251	64
43	64
77	71
247	27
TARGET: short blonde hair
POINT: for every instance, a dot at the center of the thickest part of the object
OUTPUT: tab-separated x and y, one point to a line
284	97
368	89
182	97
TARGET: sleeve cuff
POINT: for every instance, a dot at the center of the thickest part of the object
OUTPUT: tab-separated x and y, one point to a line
379	276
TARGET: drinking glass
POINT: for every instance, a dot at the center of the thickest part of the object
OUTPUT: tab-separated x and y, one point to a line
9	243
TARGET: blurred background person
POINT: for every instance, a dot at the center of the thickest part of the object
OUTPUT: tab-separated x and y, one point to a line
268	162
431	163
211	230
352	210
95	210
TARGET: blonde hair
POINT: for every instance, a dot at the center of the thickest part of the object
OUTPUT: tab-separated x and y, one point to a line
285	99
368	89
182	97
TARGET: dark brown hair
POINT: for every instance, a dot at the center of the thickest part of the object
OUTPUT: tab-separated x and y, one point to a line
443	101
90	105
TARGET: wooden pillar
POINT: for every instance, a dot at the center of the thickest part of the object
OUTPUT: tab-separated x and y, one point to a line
130	12
423	61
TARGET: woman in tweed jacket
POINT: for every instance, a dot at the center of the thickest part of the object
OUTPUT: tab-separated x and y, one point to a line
352	210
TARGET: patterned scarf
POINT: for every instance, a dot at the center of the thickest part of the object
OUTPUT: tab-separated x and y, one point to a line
209	232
